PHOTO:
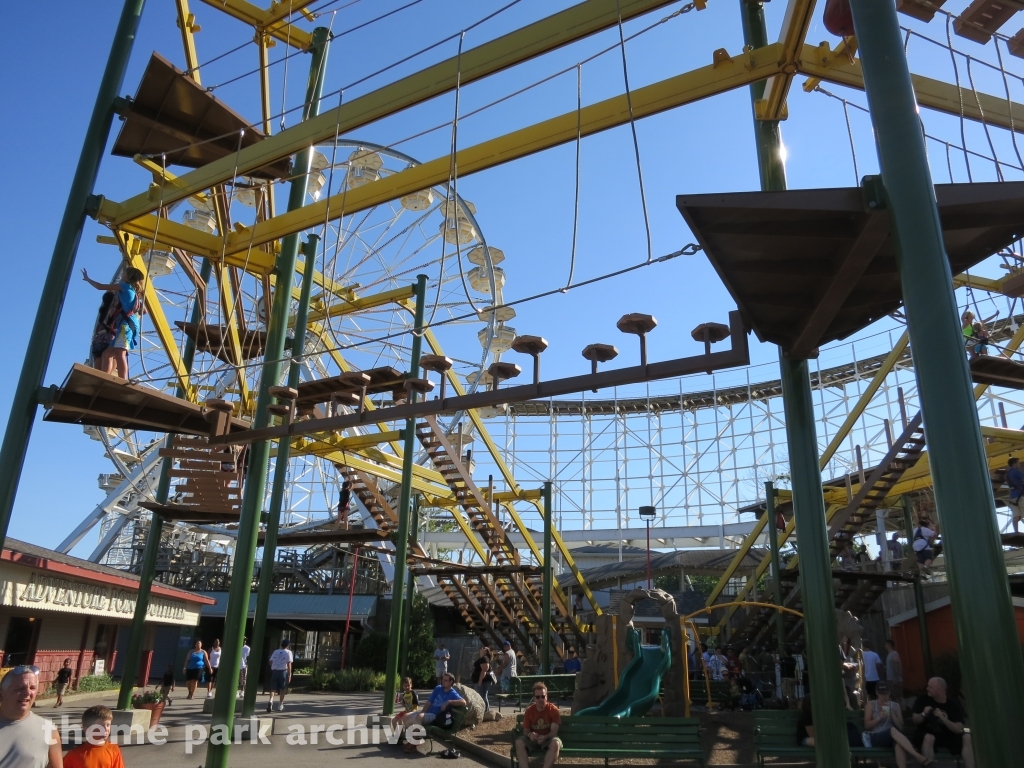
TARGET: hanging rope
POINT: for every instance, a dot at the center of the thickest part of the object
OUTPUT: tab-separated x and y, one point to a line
576	198
632	128
960	96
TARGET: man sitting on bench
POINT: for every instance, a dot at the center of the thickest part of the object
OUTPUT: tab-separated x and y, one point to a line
540	729
443	697
940	720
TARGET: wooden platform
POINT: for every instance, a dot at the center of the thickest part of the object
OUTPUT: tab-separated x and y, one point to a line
211	339
183	514
322	536
172	114
997	372
808	267
93	398
313	393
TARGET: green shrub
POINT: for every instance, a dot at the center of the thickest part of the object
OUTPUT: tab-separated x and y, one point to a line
359	679
91	683
355	679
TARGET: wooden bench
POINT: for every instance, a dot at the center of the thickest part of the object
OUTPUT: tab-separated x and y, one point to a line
674	738
775	736
445	734
559	687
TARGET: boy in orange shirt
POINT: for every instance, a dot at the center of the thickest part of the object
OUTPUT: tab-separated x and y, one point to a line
540	729
97	751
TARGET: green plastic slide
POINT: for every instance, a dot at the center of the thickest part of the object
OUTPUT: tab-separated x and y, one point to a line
639	682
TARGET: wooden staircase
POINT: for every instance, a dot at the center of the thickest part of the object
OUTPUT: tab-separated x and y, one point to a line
515	598
856	597
471	600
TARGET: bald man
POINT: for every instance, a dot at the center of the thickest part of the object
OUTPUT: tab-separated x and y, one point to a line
940	723
26	739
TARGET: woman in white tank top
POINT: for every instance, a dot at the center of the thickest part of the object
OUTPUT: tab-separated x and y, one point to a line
211	679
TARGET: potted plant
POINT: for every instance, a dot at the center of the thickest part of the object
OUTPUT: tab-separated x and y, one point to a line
154	701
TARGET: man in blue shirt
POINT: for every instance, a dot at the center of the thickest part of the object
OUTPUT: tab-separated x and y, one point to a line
572	664
443	697
1015	479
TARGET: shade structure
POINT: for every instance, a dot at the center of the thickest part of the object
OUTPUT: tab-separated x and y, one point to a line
807	267
175	118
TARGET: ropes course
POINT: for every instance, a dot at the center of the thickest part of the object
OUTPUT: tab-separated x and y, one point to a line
322	370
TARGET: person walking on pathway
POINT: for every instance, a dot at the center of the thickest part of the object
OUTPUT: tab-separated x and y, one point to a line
280	675
26	739
507	670
441	657
483	676
243	666
211	679
63	681
197	662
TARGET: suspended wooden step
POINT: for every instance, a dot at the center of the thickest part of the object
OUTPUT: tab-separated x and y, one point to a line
313	393
94	398
173	115
997	372
811	266
919	9
215	340
213	478
982	18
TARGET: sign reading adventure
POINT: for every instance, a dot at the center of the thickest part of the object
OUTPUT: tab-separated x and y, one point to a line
41	590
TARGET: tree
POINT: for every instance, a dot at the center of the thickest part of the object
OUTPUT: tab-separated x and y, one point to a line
421	643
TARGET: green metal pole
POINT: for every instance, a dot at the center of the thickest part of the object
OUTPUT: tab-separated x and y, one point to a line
922	616
40	340
545	651
284	449
149	555
773	542
993	670
259	452
404	509
827	707
410	590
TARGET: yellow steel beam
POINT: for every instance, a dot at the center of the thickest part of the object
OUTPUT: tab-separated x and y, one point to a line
187	25
548	34
981	283
132	252
931	93
280	10
357	460
348	306
772	105
716	78
270	20
228	306
826	456
349	443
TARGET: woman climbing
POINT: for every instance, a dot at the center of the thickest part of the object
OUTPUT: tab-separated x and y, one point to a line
121	328
975	335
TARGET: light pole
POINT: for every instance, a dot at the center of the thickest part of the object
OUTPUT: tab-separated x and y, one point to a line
647	514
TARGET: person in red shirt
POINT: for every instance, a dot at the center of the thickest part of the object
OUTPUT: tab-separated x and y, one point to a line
97	751
540	729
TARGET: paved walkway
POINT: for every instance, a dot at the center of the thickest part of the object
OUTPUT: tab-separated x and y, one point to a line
291	746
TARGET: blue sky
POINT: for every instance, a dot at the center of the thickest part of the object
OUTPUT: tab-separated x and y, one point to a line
525	207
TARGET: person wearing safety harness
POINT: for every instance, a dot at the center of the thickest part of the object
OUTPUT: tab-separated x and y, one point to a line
924	534
975	335
120	330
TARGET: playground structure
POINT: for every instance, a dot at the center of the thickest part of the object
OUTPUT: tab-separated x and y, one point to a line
236	385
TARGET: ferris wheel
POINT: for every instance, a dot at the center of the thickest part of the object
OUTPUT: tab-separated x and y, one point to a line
223	317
